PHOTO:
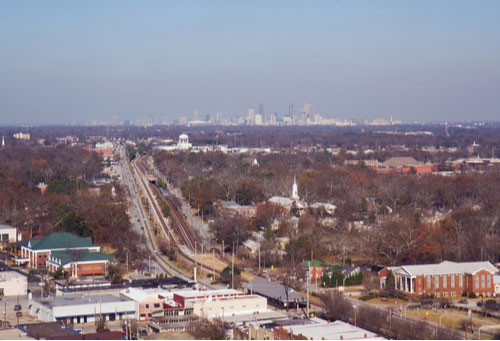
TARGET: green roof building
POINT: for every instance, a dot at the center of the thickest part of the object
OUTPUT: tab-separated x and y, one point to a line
77	255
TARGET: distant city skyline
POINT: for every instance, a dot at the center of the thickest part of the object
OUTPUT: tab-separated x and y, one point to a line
114	61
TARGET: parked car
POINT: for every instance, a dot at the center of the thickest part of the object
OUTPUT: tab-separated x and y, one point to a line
463	302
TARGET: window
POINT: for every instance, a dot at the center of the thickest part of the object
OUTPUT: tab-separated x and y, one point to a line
436	282
483	282
445	281
157	305
488	281
452	282
445	294
429	282
453	294
147	306
460	281
477	281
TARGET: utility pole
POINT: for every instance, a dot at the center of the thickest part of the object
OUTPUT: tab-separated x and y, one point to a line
259	258
232	269
213	265
18	312
308	274
127	262
195	261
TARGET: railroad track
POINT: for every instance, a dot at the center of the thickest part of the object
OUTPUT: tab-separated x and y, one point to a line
164	266
178	223
181	228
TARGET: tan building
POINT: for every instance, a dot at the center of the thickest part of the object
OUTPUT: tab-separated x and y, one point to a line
218	307
145	304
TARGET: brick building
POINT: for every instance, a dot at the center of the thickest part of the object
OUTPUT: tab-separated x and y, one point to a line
77	255
446	279
231	208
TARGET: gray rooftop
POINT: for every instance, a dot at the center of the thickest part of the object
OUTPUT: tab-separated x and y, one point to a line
272	290
70	300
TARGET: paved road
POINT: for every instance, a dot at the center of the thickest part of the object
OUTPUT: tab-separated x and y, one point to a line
141	224
7	310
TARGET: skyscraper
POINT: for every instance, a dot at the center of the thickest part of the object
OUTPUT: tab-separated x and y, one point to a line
261	109
308	109
258	119
251	117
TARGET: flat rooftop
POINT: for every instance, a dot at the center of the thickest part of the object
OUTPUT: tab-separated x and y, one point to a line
262	317
207	293
7	275
70	300
331	331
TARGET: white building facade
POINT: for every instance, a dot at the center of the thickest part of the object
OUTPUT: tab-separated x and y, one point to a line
82	309
13	283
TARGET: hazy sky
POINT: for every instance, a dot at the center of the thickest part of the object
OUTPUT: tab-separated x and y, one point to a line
64	61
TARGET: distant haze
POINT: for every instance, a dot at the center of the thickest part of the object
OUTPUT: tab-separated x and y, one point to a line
75	61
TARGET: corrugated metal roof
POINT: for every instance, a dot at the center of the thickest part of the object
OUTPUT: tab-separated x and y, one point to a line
272	290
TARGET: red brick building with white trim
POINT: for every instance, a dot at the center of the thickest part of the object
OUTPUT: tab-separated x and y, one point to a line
446	279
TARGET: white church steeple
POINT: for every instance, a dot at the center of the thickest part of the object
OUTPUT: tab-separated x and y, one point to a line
3	140
295	189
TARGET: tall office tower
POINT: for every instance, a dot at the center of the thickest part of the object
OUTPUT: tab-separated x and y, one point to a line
290	110
195	116
218	116
308	109
258	120
251	116
274	118
261	109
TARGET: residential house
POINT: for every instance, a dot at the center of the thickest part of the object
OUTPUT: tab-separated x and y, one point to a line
231	208
315	268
